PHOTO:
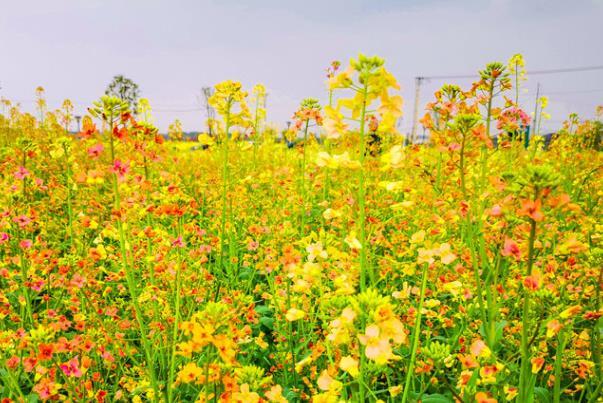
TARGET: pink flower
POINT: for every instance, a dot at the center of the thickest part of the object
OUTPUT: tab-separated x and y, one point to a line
511	249
21	173
496	211
26	244
77	280
4	237
120	168
178	242
95	150
72	368
22	220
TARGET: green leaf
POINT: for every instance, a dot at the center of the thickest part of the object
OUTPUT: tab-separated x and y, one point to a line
436	398
542	395
268	322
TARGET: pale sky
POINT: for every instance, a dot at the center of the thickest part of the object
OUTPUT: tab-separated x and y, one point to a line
174	48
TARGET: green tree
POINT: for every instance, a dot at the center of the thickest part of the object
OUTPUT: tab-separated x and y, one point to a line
124	89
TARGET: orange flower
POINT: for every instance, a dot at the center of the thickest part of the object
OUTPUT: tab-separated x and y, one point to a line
468	361
532	282
45	351
570	312
483	397
537	363
552	328
530	208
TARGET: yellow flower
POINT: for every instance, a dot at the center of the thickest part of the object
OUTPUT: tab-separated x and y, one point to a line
479	349
393	158
302	363
294	314
189	373
446	256
327	383
260	342
352	241
516	65
324	159
395	187
377	347
453	287
391	105
275	395
330	213
571	246
395	390
405	205
426	256
316	250
205	139
333	123
349	365
245	395
418	237
341	80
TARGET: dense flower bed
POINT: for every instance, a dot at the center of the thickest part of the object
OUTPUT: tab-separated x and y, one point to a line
354	269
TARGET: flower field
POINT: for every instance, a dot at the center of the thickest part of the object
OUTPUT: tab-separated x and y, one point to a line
339	263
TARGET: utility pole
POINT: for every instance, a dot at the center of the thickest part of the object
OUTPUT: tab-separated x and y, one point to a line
78	118
535	119
207	92
415	118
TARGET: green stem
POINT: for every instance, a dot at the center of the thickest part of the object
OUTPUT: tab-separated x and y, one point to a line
558	366
170	388
361	194
225	180
525	391
303	182
130	277
415	337
462	165
26	295
69	196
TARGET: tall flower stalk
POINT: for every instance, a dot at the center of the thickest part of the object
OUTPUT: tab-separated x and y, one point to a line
370	83
229	100
259	115
309	111
415	336
537	181
110	109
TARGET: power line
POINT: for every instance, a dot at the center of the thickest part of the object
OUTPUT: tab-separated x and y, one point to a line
177	110
420	79
575	91
529	72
